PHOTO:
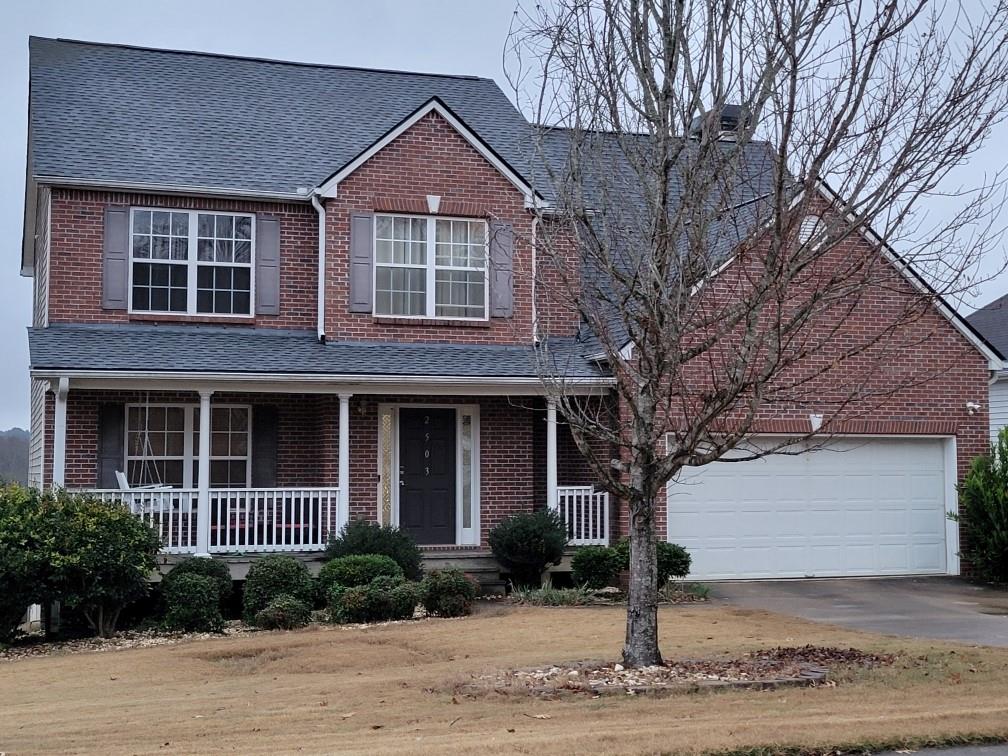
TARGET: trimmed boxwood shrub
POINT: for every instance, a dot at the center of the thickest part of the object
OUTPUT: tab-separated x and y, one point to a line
274	576
384	598
448	593
192	604
215	569
364	537
983	513
595	566
357	569
283	613
673	560
526	543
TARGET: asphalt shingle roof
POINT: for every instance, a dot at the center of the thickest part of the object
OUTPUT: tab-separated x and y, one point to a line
222	349
127	115
991	322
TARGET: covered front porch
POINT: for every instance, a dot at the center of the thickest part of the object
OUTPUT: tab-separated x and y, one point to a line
252	468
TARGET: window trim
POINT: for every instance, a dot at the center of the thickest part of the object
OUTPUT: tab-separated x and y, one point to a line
192	263
431	267
190	454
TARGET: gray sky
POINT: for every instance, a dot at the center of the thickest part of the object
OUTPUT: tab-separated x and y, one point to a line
443	36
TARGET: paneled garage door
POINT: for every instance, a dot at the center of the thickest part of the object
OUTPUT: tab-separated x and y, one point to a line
858	507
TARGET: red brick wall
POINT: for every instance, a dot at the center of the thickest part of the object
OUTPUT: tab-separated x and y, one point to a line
75	267
915	382
429	158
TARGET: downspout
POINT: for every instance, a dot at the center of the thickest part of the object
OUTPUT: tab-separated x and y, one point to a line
535	253
320	209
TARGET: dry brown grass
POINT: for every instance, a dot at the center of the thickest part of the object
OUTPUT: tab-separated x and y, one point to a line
388	689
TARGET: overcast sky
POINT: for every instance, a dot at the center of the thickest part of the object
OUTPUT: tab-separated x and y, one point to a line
443	36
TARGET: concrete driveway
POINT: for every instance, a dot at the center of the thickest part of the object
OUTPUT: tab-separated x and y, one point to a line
926	607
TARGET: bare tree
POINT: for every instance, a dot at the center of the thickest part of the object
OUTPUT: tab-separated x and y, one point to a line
722	255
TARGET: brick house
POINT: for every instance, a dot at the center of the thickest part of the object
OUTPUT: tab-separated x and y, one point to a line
271	297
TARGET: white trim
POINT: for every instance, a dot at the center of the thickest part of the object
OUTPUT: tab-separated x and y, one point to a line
343	470
552	491
321	273
62	388
330	186
179	189
192	262
321	383
203	483
463	536
430	267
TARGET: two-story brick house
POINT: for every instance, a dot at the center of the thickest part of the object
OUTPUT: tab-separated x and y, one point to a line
271	297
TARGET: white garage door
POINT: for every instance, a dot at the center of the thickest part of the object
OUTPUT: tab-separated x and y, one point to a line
858	507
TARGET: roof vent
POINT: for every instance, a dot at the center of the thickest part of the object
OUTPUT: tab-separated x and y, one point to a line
732	118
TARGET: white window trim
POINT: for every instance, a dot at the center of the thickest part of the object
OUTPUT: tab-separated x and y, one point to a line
191	262
190	452
431	267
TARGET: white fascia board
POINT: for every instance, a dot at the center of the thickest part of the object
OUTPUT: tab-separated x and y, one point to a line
329	188
316	383
155	188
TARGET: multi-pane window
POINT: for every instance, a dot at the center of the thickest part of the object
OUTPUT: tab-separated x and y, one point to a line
191	262
162	445
430	267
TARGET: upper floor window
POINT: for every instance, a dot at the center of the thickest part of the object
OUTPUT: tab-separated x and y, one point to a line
191	262
430	267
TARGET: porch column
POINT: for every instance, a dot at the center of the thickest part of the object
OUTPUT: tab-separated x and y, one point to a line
203	482
551	455
344	459
59	434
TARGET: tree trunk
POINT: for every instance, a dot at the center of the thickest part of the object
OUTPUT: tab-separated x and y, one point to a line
641	647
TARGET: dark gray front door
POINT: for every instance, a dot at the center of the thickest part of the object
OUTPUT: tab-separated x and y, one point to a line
427	474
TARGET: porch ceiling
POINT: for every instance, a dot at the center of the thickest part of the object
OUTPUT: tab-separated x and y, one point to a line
236	354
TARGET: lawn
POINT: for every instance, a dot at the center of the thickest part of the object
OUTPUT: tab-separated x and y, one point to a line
390	689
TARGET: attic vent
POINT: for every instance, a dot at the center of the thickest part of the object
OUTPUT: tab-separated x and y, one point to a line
809	227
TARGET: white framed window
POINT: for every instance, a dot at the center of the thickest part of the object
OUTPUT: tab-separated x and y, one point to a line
190	262
428	267
162	445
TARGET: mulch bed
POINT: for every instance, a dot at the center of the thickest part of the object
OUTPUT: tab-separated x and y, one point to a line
35	645
772	668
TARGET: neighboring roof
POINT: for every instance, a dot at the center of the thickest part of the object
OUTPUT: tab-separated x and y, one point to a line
991	322
140	116
222	349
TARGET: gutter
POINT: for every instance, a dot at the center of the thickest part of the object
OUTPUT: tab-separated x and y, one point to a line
320	209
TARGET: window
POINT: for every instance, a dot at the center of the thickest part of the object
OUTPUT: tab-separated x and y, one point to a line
188	262
416	257
162	445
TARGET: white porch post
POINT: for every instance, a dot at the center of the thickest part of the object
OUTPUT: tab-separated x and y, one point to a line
344	459
203	482
551	455
59	433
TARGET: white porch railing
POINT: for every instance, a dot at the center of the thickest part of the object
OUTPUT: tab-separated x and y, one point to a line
171	512
241	519
585	511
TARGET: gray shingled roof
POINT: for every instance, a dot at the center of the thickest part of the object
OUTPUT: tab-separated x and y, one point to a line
127	115
222	349
991	321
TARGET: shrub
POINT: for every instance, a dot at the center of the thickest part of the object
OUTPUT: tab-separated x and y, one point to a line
100	556
20	568
983	512
274	576
283	613
448	593
384	598
549	596
192	604
595	566
357	569
214	569
526	543
673	560
363	537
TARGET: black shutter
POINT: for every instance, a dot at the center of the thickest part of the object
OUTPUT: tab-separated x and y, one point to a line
115	258
501	270
264	446
361	261
267	258
111	443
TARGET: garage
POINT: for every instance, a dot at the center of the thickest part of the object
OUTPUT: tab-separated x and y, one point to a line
852	506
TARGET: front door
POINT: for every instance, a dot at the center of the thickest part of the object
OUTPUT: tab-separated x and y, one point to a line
427	474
